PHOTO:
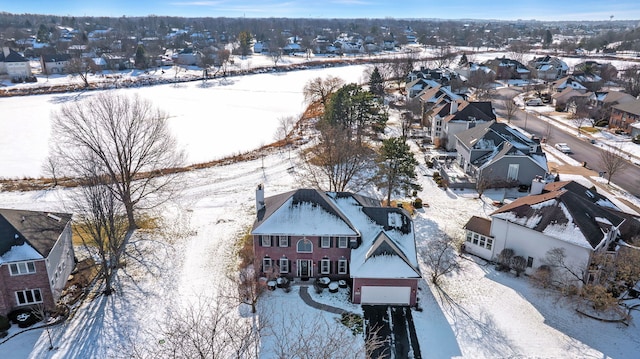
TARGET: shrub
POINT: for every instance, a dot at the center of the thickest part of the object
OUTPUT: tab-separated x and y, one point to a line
436	175
417	203
542	276
353	322
5	324
504	259
518	263
23	317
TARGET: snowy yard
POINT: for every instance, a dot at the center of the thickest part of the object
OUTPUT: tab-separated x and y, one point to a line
484	314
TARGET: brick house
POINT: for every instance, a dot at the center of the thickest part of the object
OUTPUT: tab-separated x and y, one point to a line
624	114
307	233
36	258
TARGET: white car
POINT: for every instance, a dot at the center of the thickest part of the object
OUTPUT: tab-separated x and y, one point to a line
562	147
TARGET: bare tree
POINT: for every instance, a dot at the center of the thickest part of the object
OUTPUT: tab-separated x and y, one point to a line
440	257
51	168
504	258
612	161
82	67
285	126
565	272
123	138
482	82
510	109
579	121
102	225
299	336
337	161
319	89
276	56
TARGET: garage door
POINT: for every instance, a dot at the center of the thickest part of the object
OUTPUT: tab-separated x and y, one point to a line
385	295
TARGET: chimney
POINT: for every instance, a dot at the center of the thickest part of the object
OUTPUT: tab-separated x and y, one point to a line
537	185
6	51
259	198
453	107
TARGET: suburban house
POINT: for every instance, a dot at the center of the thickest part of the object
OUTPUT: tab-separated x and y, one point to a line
36	258
14	65
563	215
499	155
549	68
308	233
54	64
562	100
568	82
508	69
624	115
450	118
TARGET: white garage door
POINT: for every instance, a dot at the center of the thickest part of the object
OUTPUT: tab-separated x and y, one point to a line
385	295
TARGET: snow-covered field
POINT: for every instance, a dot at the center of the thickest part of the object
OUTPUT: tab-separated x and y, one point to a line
486	314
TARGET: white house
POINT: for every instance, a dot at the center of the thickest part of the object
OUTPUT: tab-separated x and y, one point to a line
14	65
566	215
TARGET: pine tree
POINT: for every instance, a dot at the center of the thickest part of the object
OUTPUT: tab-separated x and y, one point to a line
244	38
141	58
463	60
376	84
396	167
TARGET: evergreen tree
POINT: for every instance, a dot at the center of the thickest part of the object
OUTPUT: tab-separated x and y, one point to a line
141	61
548	38
376	84
463	60
244	38
396	167
355	110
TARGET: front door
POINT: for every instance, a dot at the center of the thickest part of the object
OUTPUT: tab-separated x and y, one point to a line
305	268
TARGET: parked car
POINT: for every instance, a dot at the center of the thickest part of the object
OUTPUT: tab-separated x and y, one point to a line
563	147
533	102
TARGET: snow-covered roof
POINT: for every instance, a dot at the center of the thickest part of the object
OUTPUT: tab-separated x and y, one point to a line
564	215
387	247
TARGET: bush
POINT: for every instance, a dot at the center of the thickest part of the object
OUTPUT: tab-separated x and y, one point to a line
436	175
542	276
5	324
504	259
636	140
417	203
353	322
518	263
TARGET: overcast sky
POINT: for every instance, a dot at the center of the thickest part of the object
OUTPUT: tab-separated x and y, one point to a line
441	9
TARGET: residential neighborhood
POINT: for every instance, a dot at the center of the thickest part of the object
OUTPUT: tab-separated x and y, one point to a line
414	156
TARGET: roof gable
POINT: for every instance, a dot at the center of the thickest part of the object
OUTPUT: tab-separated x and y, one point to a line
40	230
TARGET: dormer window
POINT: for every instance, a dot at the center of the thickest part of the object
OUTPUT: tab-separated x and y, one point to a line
304	246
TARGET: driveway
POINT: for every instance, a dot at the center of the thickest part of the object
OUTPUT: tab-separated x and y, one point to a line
395	328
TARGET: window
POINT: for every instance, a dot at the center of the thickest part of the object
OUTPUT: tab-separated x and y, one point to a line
266	241
475	238
266	264
469	234
325	242
489	243
22	268
29	296
284	265
325	266
283	241
482	241
529	262
342	242
512	173
342	266
304	246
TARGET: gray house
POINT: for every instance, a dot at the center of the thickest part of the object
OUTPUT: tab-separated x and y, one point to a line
497	155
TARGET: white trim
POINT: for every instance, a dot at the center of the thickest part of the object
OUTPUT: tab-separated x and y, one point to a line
304	240
284	265
345	264
22	268
25	295
285	239
267	264
346	242
322	240
325	266
309	268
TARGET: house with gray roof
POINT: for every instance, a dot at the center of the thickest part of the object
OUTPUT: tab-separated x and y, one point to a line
624	115
498	155
14	65
565	216
36	258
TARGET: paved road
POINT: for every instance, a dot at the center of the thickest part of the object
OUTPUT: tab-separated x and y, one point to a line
583	151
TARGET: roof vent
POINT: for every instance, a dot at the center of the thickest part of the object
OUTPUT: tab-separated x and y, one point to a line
53	216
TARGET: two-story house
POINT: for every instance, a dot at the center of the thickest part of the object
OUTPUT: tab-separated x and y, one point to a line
36	258
308	233
14	65
497	154
564	215
449	119
624	115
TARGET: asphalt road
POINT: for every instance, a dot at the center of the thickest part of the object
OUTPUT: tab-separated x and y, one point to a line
627	178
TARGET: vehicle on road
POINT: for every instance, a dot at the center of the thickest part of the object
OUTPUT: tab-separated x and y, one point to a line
533	102
563	147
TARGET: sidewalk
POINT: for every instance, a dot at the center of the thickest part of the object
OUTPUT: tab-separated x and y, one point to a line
306	297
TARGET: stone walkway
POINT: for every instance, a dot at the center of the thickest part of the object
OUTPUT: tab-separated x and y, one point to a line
306	297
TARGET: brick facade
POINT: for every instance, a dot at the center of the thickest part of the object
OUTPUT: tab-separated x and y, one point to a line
10	284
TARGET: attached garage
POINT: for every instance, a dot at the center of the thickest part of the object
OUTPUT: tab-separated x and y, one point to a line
385	295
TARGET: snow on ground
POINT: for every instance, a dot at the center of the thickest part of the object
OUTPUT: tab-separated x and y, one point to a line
485	314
